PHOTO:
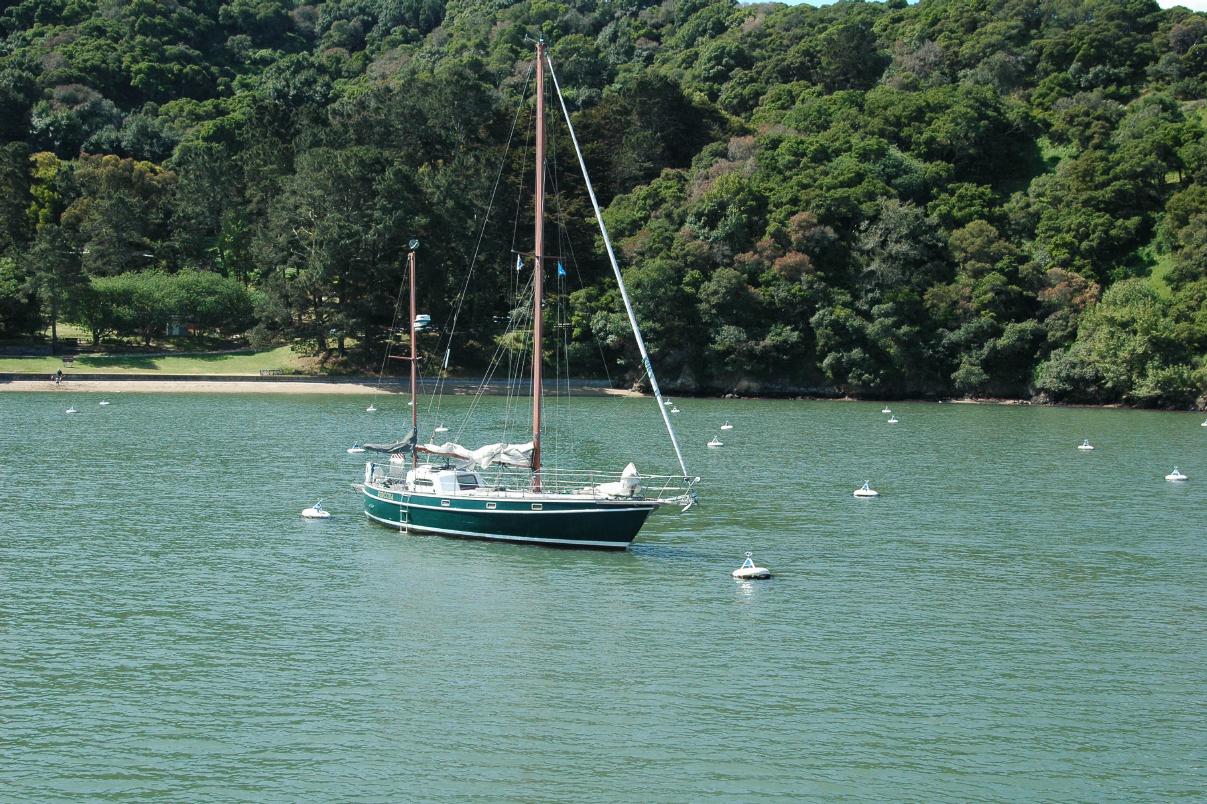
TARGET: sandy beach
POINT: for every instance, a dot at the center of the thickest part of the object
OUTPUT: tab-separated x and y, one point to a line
193	387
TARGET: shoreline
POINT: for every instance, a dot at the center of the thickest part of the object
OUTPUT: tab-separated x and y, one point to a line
251	384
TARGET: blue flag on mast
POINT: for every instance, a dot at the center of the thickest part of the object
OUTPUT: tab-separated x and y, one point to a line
560	270
519	262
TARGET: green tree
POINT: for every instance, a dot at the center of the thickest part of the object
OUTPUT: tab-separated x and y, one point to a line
122	212
52	265
15	199
101	307
145	302
1125	351
19	314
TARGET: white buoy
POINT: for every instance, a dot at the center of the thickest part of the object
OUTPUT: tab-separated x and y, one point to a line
103	402
1175	476
749	572
674	410
866	490
1085	445
440	428
727	425
887	409
316	511
893	420
715	442
372	408
355	449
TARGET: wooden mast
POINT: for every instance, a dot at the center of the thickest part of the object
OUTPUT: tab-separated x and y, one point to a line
414	355
538	265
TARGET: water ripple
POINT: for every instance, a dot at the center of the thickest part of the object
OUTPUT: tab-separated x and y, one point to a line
1011	620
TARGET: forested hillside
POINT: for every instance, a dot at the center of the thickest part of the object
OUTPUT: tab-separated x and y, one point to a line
983	197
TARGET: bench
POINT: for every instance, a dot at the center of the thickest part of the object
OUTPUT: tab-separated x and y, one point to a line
271	372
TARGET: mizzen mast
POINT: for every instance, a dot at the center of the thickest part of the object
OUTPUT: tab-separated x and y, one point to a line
414	352
538	265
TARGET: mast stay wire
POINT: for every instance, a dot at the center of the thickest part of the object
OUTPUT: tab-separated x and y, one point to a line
624	293
452	329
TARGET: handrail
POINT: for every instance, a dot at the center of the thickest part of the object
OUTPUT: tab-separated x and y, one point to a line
515	482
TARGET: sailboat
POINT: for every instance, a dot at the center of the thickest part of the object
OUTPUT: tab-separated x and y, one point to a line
504	492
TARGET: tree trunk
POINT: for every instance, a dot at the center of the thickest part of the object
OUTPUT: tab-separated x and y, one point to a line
54	326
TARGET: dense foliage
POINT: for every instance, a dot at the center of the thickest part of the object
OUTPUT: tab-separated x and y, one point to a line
986	197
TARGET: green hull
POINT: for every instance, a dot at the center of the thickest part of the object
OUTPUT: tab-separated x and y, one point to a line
569	523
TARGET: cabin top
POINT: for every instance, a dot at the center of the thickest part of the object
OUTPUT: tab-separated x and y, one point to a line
443	479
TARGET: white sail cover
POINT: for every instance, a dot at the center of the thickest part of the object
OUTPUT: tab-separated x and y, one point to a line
483	457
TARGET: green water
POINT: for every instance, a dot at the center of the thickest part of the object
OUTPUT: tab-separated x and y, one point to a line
1013	619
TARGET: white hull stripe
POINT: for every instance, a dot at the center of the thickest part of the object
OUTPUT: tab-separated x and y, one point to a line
494	537
401	503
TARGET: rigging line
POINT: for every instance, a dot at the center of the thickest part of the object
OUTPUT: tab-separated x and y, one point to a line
562	405
393	324
552	420
496	361
519	205
594	338
514	368
573	258
515	321
523	322
482	229
624	293
603	359
565	409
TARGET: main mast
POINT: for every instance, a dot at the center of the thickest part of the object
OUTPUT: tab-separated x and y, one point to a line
538	265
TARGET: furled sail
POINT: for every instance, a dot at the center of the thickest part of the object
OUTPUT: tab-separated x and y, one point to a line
407	444
483	457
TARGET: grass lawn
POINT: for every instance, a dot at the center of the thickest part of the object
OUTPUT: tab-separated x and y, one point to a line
282	358
1156	277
